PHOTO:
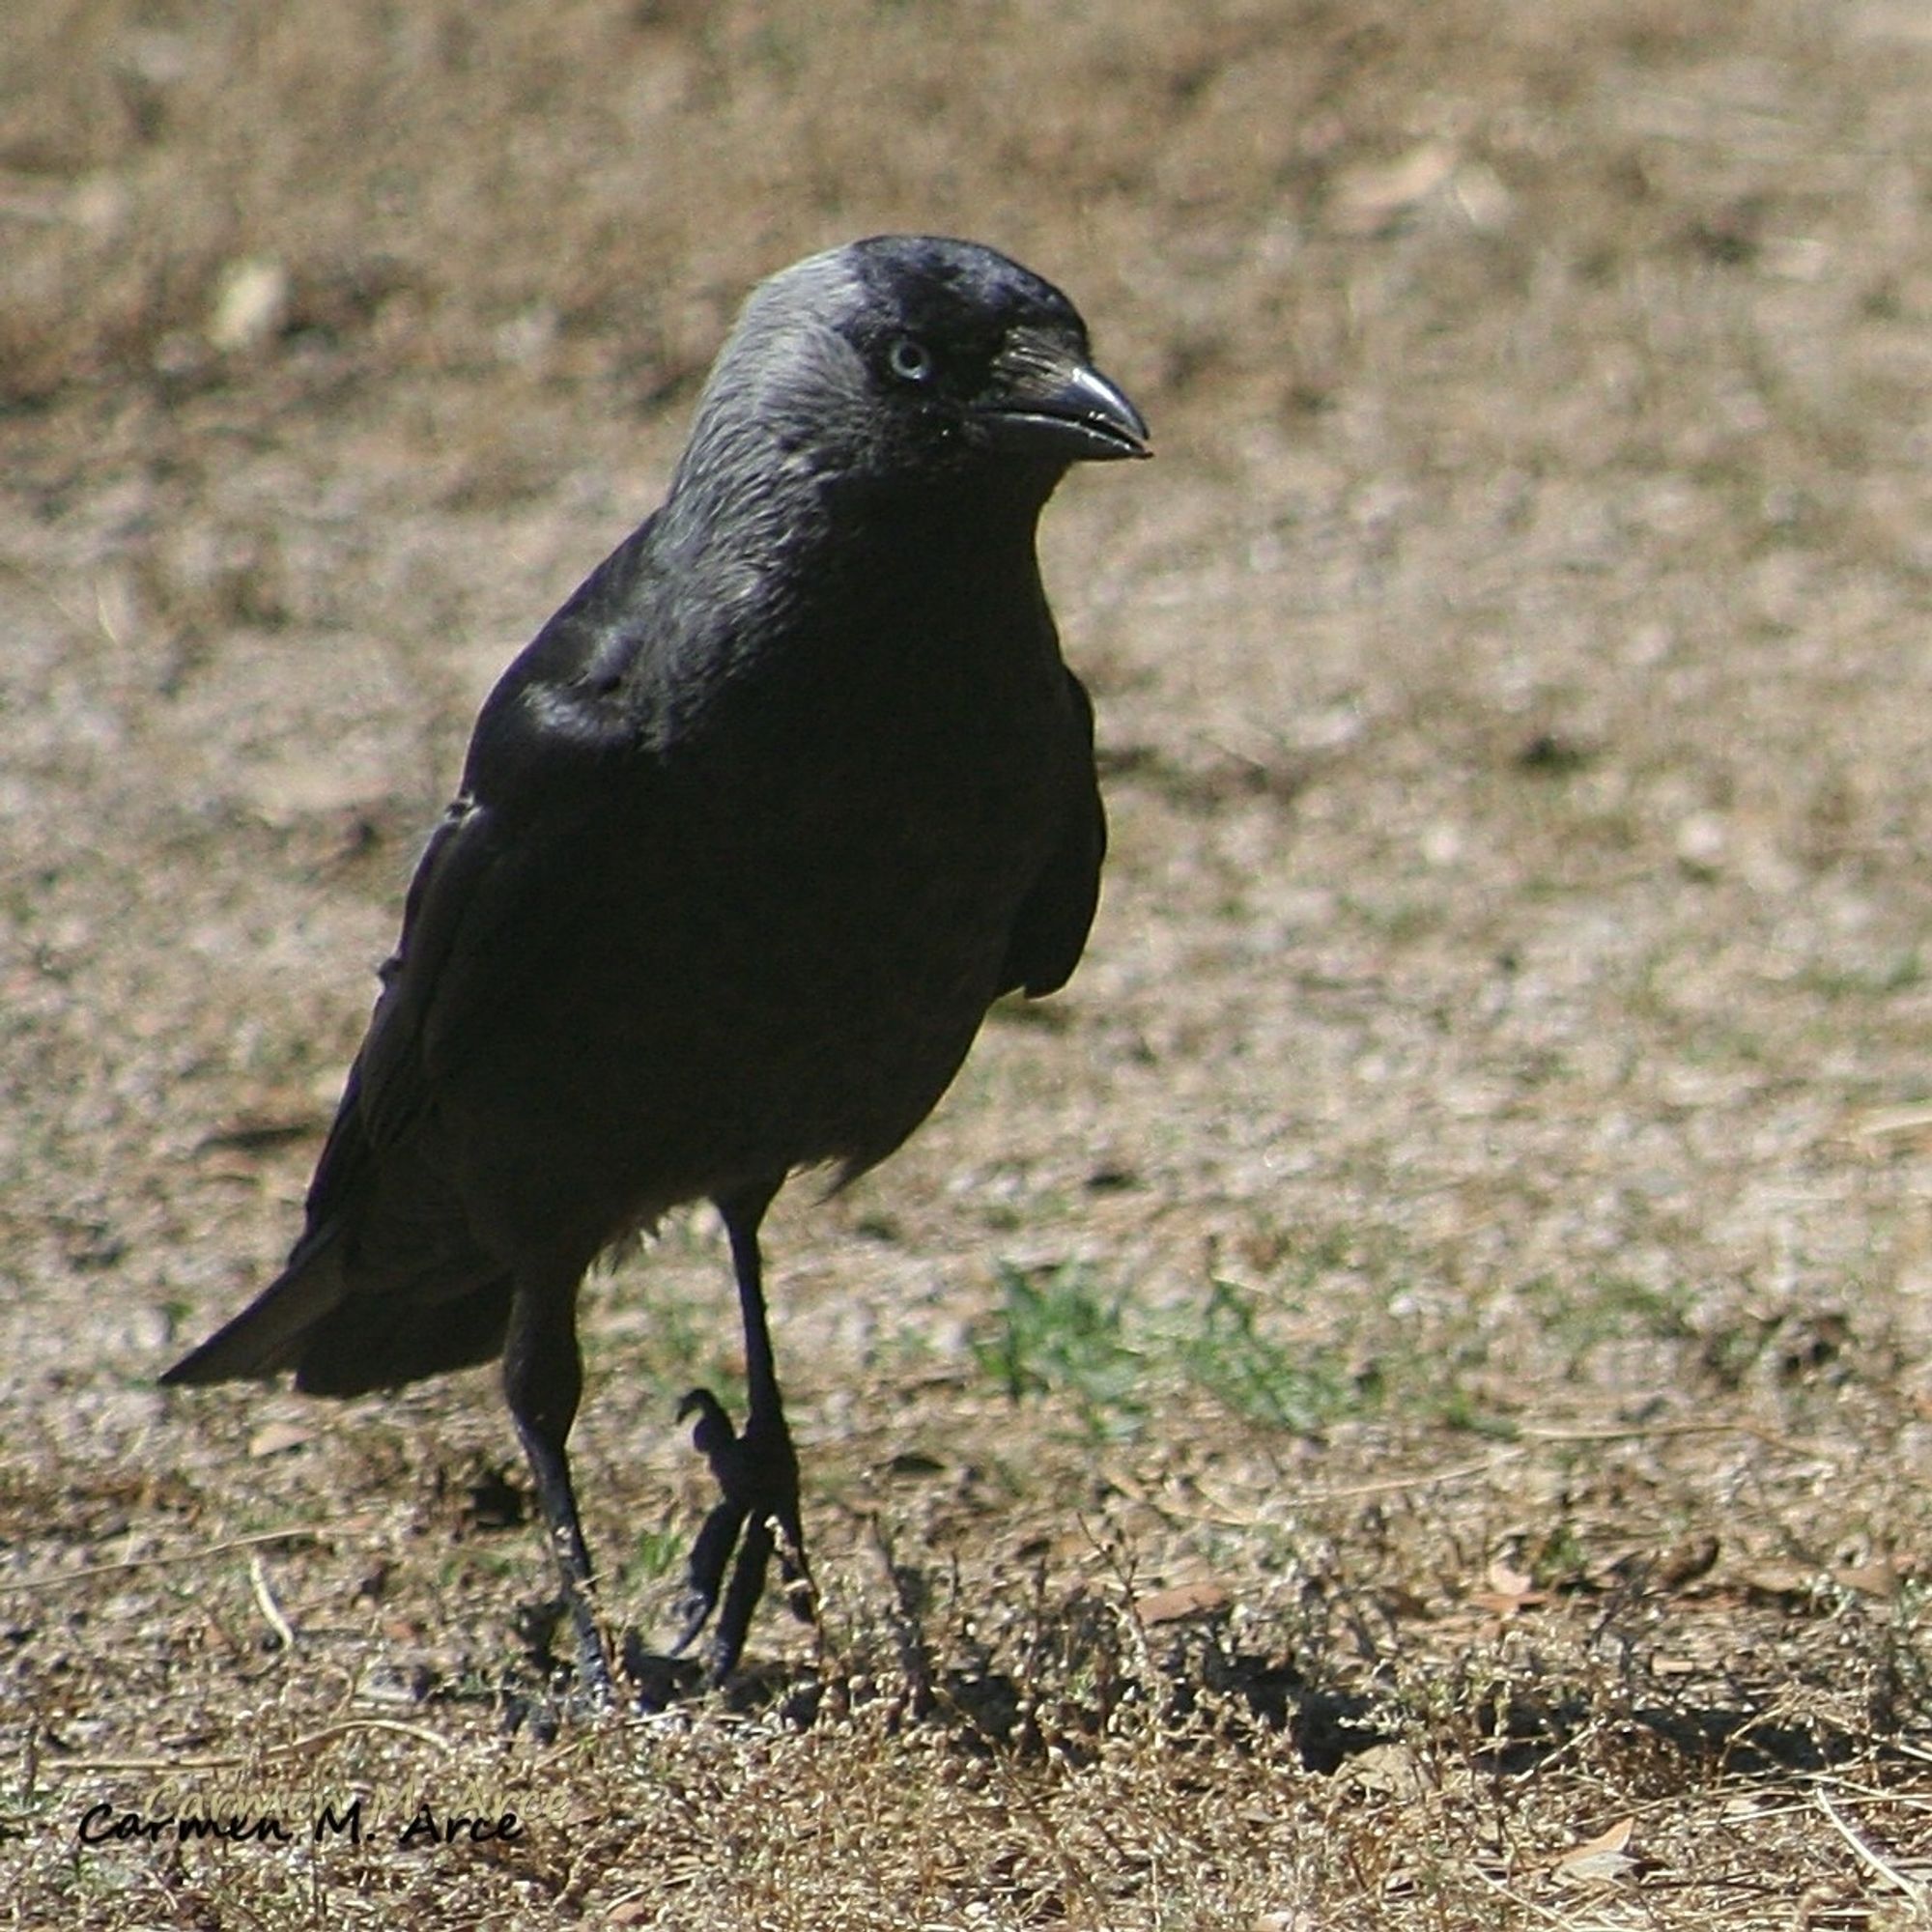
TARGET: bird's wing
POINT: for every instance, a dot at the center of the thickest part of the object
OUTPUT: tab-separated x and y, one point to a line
371	1178
1050	929
495	891
445	922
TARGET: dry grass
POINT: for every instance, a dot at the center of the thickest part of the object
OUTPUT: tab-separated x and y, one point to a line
1401	1400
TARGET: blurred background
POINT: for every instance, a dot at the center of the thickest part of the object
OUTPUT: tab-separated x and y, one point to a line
1509	1011
1522	628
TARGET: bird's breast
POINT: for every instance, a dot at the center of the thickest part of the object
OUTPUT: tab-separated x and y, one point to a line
777	951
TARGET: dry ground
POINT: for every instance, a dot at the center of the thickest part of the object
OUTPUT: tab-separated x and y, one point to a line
1406	1397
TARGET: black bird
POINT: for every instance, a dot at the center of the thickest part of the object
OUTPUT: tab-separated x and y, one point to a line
750	838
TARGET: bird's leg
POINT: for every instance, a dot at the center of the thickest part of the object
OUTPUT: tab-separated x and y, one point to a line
757	1470
543	1379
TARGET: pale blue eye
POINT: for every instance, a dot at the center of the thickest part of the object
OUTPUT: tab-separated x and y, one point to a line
909	359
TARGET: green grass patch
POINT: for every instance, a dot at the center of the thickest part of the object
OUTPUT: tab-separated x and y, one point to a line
1065	1334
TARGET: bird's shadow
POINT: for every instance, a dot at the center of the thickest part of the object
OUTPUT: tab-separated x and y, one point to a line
987	1709
542	1694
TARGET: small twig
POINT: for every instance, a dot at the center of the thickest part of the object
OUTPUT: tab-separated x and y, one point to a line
228	1548
1019	1798
35	582
908	1627
1225	1515
1874	1794
103	617
1542	1912
1885	1869
349	1724
305	1744
1640	1432
1390	1485
264	1598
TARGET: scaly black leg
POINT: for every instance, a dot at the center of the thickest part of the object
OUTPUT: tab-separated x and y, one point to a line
543	1379
757	1470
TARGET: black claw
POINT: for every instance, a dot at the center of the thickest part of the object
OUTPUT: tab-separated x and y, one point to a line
537	1626
593	1667
654	1680
544	1714
800	1594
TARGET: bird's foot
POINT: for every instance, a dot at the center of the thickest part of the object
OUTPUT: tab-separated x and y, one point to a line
593	1691
756	1516
635	1679
593	1667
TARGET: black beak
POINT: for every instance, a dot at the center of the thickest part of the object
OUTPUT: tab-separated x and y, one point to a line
1050	404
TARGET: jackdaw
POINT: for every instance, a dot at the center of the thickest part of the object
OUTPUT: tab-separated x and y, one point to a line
792	788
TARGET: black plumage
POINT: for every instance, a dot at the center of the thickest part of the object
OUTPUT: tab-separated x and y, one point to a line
785	795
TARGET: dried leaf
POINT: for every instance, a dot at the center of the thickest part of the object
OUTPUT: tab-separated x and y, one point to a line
1686	1561
1507	1591
1601	1859
1373	196
1391	1767
1785	1584
1880	1579
258	1129
1181	1602
272	1437
1670	1568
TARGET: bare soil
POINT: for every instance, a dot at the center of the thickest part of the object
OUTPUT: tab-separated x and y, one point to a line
1403	1397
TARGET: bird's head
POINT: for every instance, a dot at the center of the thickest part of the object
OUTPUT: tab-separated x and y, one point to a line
906	357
